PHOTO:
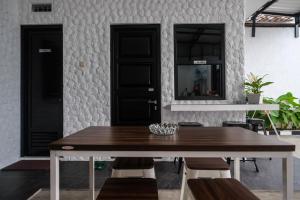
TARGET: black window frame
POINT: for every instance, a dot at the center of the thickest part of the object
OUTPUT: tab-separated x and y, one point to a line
221	62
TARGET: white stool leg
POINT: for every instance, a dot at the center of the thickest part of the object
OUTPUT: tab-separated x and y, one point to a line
189	195
205	173
183	184
225	174
237	169
126	173
115	173
149	173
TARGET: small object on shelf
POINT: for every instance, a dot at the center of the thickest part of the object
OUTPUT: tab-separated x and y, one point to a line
99	165
163	129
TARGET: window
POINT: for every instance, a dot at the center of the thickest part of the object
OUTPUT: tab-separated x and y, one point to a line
199	62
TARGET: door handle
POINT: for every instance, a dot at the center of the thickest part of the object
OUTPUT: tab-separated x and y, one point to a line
152	102
45	50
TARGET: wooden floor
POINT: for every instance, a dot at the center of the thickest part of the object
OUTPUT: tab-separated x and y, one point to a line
17	185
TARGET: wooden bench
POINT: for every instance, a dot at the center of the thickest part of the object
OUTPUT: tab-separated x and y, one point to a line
124	167
203	168
219	189
129	189
206	164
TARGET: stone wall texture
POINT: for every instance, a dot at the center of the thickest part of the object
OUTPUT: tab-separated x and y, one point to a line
9	83
87	39
86	27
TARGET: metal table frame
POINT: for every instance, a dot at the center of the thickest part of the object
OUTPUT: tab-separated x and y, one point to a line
286	156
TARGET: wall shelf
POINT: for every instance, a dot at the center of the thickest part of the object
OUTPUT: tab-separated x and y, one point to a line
223	107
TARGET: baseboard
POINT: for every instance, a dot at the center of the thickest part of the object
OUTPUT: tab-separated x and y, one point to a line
34	158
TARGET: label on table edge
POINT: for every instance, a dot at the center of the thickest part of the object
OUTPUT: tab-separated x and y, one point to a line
67	147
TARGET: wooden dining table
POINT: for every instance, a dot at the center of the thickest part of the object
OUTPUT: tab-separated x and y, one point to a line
137	141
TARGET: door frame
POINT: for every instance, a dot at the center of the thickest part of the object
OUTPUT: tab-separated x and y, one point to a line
25	29
113	71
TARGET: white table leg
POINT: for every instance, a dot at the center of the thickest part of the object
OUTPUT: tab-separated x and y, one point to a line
184	186
92	178
272	124
237	168
288	177
54	176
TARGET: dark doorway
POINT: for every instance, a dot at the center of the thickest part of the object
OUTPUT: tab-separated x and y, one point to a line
42	87
135	74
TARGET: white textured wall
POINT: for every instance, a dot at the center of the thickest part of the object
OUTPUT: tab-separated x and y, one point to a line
87	39
9	83
274	51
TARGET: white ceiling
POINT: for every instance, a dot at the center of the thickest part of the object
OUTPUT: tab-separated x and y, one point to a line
285	6
253	5
282	6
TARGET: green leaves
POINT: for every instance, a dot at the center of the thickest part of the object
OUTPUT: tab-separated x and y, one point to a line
266	84
254	84
288	117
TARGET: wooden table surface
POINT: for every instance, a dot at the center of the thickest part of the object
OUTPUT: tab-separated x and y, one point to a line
138	138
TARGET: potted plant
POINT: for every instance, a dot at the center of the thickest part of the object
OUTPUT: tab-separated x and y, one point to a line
253	87
286	118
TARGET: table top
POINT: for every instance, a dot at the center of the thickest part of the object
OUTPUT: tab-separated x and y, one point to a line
139	138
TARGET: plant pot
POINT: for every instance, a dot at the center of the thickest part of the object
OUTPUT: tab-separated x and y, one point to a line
253	98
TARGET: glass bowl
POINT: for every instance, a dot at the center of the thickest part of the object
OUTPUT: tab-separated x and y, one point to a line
163	129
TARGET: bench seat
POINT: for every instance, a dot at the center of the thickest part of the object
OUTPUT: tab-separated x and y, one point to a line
219	189
206	164
129	189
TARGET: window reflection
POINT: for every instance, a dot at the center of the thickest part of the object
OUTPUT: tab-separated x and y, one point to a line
199	80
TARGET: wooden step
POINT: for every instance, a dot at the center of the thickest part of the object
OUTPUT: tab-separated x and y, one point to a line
206	164
133	163
216	189
129	189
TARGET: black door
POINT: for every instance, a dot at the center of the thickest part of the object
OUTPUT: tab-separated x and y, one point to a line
135	74
42	88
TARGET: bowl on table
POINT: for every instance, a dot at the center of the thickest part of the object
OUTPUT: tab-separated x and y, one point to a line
163	129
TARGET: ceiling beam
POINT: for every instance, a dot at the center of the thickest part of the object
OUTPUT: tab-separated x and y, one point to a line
266	6
271	25
279	14
259	11
297	22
